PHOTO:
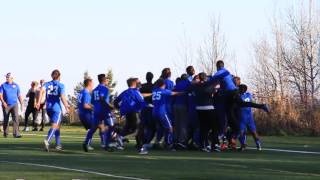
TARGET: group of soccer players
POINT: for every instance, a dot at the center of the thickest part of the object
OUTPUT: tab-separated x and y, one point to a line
197	111
205	112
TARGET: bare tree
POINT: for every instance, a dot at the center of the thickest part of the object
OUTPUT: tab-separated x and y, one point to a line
213	48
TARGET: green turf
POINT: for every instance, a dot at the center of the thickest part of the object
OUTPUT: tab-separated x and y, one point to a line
159	164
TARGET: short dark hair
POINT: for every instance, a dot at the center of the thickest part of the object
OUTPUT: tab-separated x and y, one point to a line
178	79
55	74
86	82
243	88
220	64
101	78
149	76
190	70
184	77
160	82
203	76
130	81
166	73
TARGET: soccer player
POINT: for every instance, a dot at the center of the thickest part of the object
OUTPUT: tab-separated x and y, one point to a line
159	97
86	111
131	102
55	92
42	108
232	99
207	114
191	72
169	84
180	109
9	97
31	108
102	117
247	120
147	121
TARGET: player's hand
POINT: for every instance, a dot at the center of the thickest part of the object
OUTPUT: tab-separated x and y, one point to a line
5	105
38	106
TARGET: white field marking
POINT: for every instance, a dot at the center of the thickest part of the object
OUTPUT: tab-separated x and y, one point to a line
74	170
290	172
287	151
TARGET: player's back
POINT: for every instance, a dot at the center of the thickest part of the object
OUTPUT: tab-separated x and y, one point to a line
159	99
54	90
84	98
100	96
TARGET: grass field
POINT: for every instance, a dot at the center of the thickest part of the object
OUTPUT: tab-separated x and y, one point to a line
25	159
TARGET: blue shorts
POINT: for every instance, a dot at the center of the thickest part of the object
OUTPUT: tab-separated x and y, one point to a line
86	120
106	119
54	116
163	120
247	122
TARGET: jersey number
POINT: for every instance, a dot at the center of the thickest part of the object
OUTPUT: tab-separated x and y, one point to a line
156	96
53	90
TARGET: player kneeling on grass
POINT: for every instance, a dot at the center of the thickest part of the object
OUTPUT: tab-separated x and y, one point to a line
159	97
55	93
102	117
247	120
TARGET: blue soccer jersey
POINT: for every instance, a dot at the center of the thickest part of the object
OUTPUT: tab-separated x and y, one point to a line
130	101
247	119
54	90
84	98
159	99
10	92
100	101
225	78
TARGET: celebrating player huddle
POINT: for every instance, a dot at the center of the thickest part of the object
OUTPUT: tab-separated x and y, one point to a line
208	113
203	112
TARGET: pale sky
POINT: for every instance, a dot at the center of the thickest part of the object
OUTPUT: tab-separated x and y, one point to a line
129	36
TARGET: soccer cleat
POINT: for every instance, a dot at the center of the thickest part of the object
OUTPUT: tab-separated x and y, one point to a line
58	148
5	135
18	136
41	129
181	146
224	147
216	148
35	129
46	145
265	108
259	147
143	151
206	150
85	147
26	129
242	148
90	148
103	146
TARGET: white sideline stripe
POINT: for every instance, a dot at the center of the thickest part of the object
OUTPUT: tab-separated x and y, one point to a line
290	172
75	170
287	151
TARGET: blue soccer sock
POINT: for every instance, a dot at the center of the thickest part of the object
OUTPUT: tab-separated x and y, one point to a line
258	142
107	137
159	135
243	139
57	136
89	136
51	132
169	138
